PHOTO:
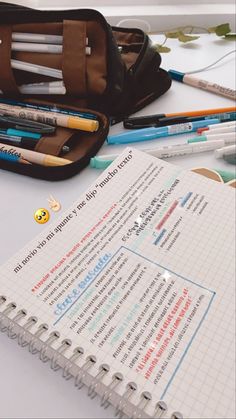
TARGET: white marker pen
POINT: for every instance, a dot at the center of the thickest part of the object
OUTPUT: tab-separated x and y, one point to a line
101	162
229	138
227	153
203	84
222	127
222	130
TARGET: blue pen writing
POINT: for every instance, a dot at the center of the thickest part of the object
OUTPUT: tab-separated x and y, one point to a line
153	133
63	306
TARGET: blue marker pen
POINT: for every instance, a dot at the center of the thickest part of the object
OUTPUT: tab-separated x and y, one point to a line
20	133
153	133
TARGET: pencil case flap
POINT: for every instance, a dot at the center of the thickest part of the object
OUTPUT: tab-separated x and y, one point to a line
136	49
145	80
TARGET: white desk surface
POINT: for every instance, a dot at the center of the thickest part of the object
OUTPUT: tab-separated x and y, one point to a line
28	388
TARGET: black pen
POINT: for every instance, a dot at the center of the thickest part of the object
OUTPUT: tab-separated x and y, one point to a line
162	122
25	124
24	142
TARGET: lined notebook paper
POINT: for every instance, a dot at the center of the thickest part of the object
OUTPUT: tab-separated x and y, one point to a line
139	274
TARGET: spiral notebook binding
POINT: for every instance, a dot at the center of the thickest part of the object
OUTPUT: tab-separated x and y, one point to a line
41	330
25	337
161	408
66	370
120	408
103	370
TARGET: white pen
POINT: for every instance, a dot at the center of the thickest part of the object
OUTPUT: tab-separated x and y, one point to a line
58	83
228	137
38	38
223	124
203	84
101	162
222	130
38	69
55	87
42	90
217	126
47	48
225	151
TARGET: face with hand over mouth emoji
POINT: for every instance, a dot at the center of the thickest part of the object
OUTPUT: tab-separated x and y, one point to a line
41	216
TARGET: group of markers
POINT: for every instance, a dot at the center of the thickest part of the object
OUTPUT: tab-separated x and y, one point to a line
215	128
22	124
41	43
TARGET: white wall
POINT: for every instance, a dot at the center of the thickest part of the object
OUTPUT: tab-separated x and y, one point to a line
159	14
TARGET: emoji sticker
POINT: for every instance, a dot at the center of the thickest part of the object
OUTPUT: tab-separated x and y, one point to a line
41	216
54	204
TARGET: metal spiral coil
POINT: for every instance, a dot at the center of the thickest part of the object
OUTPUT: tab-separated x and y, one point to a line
27	326
66	370
32	343
116	379
2	299
50	340
66	343
130	389
103	370
17	318
10	307
161	408
145	398
25	337
176	415
90	360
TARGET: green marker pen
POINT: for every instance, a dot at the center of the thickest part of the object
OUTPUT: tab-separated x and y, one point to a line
229	138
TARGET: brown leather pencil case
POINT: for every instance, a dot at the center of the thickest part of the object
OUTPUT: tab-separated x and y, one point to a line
105	72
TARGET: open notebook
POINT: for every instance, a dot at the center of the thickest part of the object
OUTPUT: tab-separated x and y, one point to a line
131	291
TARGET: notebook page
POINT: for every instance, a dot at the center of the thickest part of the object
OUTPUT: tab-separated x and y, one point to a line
140	273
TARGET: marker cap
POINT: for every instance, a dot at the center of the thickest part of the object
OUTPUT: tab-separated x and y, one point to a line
197	139
228	137
225	151
97	163
83	124
200	130
176	75
55	161
231	159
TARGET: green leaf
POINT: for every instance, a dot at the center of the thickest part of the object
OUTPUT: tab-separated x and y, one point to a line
161	48
187	38
173	34
220	30
230	36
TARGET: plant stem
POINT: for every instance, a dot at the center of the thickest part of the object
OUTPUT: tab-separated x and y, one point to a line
190	27
163	43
